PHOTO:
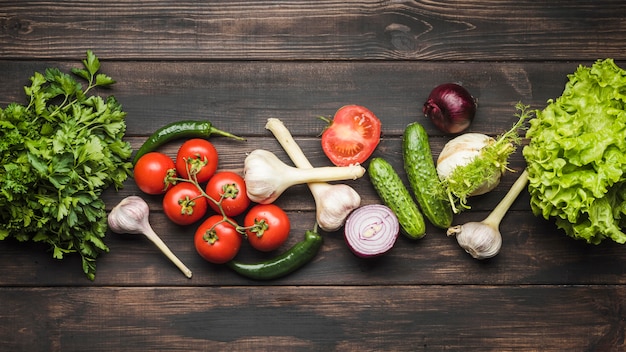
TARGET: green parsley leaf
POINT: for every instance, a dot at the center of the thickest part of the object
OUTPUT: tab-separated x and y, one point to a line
58	154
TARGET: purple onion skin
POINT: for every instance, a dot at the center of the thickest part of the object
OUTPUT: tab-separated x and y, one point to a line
450	107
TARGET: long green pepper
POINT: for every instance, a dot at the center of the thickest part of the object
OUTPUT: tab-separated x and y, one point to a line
291	260
180	129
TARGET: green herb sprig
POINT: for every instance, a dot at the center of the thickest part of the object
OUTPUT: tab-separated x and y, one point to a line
58	153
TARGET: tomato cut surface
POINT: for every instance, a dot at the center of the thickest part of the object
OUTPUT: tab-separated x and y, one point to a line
352	135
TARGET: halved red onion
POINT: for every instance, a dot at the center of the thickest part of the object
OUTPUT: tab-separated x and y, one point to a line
371	230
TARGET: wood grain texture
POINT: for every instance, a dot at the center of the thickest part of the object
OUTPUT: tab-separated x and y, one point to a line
319	30
313	318
242	95
239	63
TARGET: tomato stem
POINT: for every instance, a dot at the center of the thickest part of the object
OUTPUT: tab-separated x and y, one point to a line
328	123
259	227
228	191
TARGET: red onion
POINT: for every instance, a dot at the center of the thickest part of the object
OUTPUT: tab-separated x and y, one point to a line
371	230
450	107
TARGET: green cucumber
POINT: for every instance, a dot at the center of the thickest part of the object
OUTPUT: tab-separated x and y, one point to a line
396	196
423	179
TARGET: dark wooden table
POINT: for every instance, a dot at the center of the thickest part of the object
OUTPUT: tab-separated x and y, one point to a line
238	63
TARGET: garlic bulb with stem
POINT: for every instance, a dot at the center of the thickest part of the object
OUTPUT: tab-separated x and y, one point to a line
131	216
333	202
483	240
267	177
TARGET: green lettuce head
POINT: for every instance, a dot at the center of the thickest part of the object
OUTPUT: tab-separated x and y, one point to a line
576	155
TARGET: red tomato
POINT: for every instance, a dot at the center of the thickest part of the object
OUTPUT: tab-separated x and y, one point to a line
197	157
267	227
216	240
352	135
151	170
233	189
184	204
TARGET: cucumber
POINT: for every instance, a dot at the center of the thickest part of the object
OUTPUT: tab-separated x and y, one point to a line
396	196
423	179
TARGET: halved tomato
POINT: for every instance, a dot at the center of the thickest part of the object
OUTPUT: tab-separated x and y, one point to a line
352	136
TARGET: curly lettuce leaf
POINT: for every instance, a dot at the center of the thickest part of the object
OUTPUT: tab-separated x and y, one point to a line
576	155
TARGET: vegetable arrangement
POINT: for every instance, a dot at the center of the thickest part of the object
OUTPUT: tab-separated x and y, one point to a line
58	153
186	200
62	149
219	237
470	164
576	155
370	230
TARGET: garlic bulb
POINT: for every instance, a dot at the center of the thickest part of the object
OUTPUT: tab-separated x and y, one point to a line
131	216
333	202
462	150
477	239
267	177
482	240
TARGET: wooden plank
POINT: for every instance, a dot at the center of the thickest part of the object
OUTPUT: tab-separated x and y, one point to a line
320	30
398	318
293	92
237	64
240	96
533	252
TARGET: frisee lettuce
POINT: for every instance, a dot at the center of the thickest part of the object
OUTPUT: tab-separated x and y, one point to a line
576	155
58	153
492	161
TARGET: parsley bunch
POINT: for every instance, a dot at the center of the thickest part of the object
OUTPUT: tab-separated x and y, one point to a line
58	153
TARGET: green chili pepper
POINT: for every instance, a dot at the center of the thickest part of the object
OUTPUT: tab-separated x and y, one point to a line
283	264
180	129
